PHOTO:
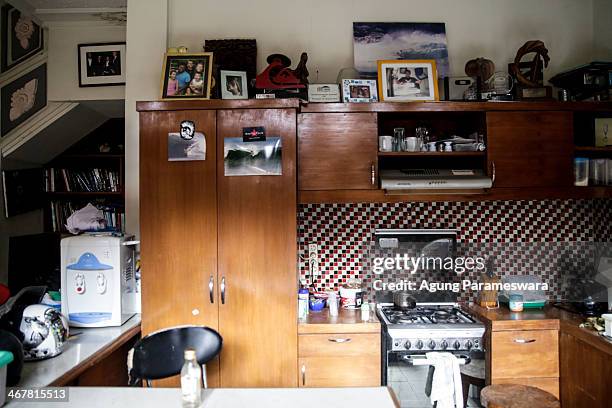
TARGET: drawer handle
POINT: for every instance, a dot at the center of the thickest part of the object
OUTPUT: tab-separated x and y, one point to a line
303	374
345	340
524	341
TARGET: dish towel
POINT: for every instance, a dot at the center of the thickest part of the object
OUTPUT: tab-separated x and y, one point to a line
446	387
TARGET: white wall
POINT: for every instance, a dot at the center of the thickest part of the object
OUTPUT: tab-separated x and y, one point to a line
489	28
62	65
602	30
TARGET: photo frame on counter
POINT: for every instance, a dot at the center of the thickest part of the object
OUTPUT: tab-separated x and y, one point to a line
234	85
102	64
408	80
186	75
359	90
21	38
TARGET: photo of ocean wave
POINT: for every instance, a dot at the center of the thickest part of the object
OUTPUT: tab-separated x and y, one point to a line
261	158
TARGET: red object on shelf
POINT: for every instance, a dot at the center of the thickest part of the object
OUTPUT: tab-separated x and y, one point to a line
5	294
278	75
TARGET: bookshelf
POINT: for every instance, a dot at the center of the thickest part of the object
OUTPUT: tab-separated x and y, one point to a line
90	171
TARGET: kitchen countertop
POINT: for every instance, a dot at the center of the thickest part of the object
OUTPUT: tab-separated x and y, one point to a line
548	318
347	321
80	353
102	397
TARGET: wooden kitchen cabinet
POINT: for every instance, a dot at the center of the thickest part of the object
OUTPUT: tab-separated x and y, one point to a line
337	151
530	149
220	251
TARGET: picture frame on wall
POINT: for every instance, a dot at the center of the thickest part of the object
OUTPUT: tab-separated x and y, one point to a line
187	76
359	90
22	97
102	64
21	38
408	80
234	85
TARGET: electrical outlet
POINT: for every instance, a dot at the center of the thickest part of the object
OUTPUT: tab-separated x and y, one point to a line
313	260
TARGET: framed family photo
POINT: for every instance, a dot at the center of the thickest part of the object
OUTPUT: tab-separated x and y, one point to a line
359	90
234	85
408	80
102	64
187	76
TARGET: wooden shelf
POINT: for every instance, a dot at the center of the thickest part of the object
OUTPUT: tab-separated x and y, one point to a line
84	193
431	154
593	149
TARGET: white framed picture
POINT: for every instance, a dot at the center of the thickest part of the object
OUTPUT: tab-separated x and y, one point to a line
234	85
408	80
359	90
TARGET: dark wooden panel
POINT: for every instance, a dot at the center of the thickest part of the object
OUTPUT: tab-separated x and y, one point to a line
110	371
258	258
337	151
214	104
531	149
178	224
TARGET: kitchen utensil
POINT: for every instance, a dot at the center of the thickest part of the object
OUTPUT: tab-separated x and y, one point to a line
403	300
597	172
431	146
488	297
581	171
448	146
398	139
411	144
385	143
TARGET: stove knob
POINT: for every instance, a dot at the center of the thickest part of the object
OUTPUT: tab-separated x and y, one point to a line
444	344
457	345
407	345
468	344
431	344
419	344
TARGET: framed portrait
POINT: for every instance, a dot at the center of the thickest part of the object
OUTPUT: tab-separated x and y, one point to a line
21	38
234	85
102	64
187	76
408	80
22	97
359	90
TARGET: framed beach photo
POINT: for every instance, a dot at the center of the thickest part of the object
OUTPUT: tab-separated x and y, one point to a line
102	64
234	85
359	90
187	76
408	80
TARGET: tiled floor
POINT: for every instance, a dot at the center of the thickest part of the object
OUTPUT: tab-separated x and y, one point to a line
408	383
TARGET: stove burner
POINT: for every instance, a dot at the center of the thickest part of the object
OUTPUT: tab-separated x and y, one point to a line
442	314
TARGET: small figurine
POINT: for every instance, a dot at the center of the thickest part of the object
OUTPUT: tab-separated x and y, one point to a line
301	71
281	80
529	75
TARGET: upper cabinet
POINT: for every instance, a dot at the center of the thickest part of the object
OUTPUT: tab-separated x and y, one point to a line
531	149
337	151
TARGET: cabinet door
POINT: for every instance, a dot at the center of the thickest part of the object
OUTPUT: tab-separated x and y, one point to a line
337	151
178	224
531	149
257	258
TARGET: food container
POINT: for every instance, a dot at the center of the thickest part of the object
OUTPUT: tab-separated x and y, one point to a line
6	357
608	319
316	304
351	295
516	303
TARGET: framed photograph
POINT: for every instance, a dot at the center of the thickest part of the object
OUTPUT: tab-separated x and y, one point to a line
187	76
234	85
102	64
408	80
21	38
399	41
359	90
21	98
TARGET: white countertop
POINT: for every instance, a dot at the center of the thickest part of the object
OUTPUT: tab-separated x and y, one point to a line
78	350
104	397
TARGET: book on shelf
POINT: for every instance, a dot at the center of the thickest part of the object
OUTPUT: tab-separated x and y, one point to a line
113	214
81	180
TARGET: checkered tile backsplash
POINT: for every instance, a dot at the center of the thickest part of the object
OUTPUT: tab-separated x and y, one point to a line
343	231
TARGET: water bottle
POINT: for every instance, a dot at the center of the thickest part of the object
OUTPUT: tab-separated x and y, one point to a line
303	303
332	303
191	380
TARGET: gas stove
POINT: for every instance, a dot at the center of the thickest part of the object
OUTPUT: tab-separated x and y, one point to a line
431	327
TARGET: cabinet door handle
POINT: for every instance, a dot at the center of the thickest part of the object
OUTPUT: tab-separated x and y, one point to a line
303	375
492	172
373	174
211	289
223	290
524	341
341	340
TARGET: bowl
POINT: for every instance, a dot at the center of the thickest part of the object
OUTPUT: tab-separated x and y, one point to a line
316	304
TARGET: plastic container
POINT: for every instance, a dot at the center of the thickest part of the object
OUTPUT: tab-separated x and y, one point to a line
332	303
6	357
516	303
302	303
365	312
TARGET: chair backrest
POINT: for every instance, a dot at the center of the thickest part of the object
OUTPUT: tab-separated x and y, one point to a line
161	354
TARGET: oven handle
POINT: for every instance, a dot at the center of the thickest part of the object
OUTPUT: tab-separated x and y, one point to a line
421	359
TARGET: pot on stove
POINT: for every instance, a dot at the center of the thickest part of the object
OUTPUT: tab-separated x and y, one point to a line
403	300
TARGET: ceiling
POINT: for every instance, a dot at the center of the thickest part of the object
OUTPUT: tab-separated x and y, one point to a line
62	4
52	11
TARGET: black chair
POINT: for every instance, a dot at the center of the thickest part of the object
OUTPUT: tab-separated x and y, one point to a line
161	354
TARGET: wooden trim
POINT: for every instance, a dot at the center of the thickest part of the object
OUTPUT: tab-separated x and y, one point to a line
396	402
213	104
379	196
572	328
446	106
103	353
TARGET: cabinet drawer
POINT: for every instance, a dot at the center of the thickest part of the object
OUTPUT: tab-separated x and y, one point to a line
525	353
350	371
335	345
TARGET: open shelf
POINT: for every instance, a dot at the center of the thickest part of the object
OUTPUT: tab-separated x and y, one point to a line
431	154
593	149
65	194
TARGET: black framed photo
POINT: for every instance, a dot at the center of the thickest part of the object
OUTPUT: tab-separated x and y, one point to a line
21	37
102	64
22	98
187	76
